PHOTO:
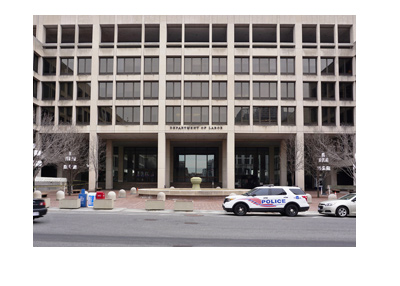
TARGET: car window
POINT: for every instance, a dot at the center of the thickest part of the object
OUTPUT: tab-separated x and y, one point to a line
261	192
347	197
297	191
276	192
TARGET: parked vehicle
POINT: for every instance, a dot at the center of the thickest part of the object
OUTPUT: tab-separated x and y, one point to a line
342	207
39	208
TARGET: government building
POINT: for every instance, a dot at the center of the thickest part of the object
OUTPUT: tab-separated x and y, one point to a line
176	97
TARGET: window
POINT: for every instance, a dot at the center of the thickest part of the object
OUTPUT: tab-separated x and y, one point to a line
107	34
344	34
105	90
286	33
84	65
264	65
173	65
152	33
64	115
288	115
346	90
309	34
35	62
242	115
173	90
196	114
85	34
288	90
309	65
219	65
264	90
35	88
328	116
264	33
219	115
84	90
219	33
150	90
328	90
196	65
83	115
219	90
49	66
173	115
266	115
242	89
106	65
287	66
260	192
310	116
127	65
276	192
128	90
48	90
129	33
150	114
241	65
66	90
47	115
196	90
51	34
346	116
151	65
67	66
67	34
197	33
345	66
310	90
174	33
241	33
327	66
326	34
127	115
104	115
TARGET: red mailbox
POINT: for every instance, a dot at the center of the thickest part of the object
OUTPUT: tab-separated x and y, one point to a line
100	195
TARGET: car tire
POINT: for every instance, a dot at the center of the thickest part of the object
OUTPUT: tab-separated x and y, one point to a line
342	211
291	210
240	209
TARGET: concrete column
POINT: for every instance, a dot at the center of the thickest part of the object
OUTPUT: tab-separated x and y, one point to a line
271	165
120	164
224	164
283	164
230	160
93	160
300	173
168	165
109	165
161	183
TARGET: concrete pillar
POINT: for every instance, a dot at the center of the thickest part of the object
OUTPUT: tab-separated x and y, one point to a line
168	166
93	160
230	160
283	164
271	166
224	164
161	183
109	165
300	173
120	164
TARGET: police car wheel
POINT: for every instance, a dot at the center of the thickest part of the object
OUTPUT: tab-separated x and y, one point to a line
291	210
240	209
342	211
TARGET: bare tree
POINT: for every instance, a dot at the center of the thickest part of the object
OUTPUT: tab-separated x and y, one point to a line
97	157
294	156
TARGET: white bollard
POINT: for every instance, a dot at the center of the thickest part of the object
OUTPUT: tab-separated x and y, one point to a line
133	191
37	194
161	196
122	193
111	195
232	194
60	195
332	197
309	198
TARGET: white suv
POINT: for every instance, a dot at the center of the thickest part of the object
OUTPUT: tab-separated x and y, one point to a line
285	200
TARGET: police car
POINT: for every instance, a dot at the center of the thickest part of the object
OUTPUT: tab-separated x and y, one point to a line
285	200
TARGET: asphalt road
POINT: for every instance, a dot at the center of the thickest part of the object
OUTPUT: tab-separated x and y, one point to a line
154	229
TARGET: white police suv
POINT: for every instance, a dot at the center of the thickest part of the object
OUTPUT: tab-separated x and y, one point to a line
285	200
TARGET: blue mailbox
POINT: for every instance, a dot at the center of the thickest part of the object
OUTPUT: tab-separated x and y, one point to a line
83	198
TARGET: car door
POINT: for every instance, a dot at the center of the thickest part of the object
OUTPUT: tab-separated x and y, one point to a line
258	200
277	198
352	206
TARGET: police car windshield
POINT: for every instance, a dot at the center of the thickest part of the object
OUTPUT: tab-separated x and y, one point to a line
347	197
249	193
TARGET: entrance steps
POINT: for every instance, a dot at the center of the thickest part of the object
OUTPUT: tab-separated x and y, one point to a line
189	192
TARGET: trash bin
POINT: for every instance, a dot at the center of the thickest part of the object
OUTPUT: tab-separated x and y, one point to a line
83	198
100	195
91	198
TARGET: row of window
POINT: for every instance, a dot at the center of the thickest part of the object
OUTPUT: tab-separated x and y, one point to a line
262	115
195	90
195	65
198	33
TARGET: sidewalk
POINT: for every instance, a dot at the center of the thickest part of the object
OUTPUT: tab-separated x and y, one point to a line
199	203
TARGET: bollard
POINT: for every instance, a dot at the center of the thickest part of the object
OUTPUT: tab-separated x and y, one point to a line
232	194
161	196
60	195
309	198
37	194
133	191
111	195
332	197
122	193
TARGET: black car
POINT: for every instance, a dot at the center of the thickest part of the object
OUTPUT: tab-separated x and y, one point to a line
39	208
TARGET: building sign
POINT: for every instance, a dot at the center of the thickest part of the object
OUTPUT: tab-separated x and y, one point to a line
195	128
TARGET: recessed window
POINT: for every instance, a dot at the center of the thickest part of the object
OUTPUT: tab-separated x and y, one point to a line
150	90
287	66
173	90
35	62
264	33
51	34
197	33
107	33
83	115
128	90
49	66
105	90
67	34
66	90
265	115
196	90
85	34
288	90
219	65
242	90
310	116
152	33
84	90
327	66
48	90
104	115
84	66
106	65
173	65
151	65
219	90
310	90
326	34
196	65
129	33
241	65
67	66
173	115
241	33
328	116
65	115
35	87
286	33
346	116
150	114
288	115
328	90
47	115
309	65
219	33
242	115
344	34
309	34
196	115
127	115
345	66
219	115
174	33
346	90
264	90
264	65
128	65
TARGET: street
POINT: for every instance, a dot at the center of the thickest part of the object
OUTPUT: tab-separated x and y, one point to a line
219	229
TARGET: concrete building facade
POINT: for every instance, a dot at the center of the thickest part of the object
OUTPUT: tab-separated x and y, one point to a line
209	96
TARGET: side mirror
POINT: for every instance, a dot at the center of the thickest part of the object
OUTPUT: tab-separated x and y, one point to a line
353	200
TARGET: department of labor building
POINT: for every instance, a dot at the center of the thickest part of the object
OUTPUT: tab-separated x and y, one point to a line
214	97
